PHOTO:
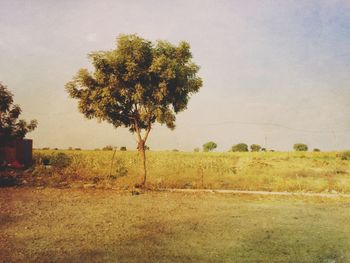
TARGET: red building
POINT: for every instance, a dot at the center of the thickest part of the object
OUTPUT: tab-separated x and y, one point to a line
17	152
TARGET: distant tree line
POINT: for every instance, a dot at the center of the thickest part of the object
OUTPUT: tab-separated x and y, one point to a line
122	148
106	148
243	147
207	147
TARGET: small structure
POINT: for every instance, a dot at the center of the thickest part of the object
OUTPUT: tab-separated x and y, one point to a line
16	152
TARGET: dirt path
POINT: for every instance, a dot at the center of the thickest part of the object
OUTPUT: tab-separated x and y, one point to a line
246	192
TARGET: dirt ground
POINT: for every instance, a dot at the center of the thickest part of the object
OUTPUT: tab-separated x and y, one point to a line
89	225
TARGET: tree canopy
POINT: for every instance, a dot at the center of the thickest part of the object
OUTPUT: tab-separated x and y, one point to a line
137	84
300	147
10	126
240	147
255	147
209	146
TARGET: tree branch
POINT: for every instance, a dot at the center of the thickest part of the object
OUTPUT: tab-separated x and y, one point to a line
138	132
147	132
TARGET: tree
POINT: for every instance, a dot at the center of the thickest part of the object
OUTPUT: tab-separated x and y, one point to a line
107	148
196	149
255	148
136	85
300	147
10	126
123	148
240	147
209	146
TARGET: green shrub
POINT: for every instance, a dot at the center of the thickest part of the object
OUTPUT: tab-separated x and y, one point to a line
209	146
300	147
41	159
345	155
108	148
240	147
59	160
255	147
121	171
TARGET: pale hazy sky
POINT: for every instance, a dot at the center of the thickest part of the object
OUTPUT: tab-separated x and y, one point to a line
274	72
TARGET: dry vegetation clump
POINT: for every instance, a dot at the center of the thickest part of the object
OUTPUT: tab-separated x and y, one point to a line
344	155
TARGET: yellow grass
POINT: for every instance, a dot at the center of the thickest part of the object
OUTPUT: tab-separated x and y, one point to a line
271	171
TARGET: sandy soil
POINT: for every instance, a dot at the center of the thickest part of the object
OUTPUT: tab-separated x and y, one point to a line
72	225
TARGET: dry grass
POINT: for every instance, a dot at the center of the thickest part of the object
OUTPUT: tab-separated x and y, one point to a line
294	171
72	225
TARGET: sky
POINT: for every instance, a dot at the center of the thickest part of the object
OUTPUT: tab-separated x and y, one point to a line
274	73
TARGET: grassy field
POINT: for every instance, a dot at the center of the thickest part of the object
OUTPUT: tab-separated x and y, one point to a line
271	171
75	225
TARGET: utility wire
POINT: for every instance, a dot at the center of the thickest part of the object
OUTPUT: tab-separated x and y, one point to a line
266	124
326	130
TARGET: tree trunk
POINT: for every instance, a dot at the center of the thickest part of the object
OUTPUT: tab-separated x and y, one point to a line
142	151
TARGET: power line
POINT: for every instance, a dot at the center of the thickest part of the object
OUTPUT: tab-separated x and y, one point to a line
327	131
267	124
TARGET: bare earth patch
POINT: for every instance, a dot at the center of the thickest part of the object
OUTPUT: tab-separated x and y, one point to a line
72	225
